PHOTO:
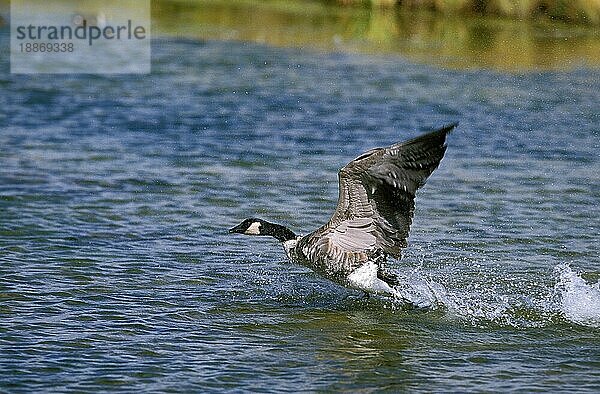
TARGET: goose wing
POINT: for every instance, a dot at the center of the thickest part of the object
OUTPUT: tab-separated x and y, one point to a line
376	204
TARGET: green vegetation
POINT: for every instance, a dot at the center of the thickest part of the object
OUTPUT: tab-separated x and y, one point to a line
579	11
457	41
459	37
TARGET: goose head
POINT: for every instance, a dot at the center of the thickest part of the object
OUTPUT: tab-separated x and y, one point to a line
254	226
251	226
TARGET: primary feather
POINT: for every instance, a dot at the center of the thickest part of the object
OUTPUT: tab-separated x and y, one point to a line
374	211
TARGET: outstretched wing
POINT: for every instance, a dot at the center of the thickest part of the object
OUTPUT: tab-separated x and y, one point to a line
376	203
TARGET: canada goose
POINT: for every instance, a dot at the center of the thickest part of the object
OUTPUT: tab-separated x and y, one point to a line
372	218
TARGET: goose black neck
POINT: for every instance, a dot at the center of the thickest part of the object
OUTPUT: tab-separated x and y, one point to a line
278	231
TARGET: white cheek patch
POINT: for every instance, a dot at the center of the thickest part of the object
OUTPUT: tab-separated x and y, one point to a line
254	229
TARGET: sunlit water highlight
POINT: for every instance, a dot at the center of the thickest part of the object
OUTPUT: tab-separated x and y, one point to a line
117	273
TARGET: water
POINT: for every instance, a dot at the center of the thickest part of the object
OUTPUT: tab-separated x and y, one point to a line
117	274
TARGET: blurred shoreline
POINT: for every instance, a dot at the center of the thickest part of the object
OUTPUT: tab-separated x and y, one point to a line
571	11
415	30
451	41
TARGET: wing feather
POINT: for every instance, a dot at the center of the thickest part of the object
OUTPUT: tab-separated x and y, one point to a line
376	203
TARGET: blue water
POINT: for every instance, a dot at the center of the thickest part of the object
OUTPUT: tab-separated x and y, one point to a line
117	273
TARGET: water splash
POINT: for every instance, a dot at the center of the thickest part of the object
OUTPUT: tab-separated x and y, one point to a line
571	299
578	301
474	303
418	291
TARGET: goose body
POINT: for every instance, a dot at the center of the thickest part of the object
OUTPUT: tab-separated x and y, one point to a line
372	219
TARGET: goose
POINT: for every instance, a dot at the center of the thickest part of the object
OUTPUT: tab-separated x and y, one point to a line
372	219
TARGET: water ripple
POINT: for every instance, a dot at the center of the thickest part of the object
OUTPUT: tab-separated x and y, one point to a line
117	273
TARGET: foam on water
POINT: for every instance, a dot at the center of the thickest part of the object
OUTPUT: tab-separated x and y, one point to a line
570	298
578	301
418	290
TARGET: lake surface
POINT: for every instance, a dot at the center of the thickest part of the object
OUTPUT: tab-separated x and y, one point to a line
117	273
